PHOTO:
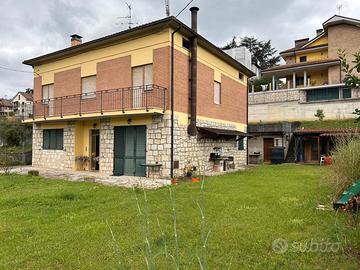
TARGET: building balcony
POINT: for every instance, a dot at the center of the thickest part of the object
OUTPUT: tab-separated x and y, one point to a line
131	100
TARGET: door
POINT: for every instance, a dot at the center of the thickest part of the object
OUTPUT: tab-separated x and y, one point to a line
268	143
129	150
51	100
95	149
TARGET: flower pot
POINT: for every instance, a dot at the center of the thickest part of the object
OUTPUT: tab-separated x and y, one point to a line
195	179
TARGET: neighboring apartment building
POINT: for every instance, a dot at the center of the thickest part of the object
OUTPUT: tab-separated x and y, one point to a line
6	106
23	104
155	94
310	80
243	55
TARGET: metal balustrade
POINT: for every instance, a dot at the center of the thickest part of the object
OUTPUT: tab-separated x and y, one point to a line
114	100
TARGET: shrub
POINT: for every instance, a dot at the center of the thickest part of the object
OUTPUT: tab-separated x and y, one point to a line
320	114
5	164
346	162
33	173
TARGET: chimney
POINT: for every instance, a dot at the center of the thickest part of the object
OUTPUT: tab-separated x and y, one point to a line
75	40
193	73
319	31
301	42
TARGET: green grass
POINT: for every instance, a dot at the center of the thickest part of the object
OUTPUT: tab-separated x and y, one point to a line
55	224
348	123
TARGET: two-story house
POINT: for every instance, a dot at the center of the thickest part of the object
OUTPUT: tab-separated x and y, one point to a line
23	104
6	107
158	94
310	79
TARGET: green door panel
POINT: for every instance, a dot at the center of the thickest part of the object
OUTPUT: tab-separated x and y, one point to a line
129	150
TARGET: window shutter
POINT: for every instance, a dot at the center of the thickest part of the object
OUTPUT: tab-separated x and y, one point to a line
217	93
45	92
59	139
148	78
46	139
137	76
88	87
241	145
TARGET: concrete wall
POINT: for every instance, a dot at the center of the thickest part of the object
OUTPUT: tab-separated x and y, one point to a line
290	105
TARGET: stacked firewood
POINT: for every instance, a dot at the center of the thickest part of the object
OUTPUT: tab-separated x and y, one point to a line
353	204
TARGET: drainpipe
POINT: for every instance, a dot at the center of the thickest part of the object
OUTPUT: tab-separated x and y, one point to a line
247	121
193	86
172	103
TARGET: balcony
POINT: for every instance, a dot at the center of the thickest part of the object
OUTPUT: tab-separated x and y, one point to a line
141	99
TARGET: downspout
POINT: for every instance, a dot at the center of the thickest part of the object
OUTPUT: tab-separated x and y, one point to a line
172	103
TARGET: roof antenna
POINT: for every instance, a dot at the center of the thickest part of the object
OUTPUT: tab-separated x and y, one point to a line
339	6
167	8
130	23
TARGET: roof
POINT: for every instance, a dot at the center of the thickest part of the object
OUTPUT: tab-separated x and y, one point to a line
216	133
302	64
5	103
147	28
337	19
328	131
297	49
27	96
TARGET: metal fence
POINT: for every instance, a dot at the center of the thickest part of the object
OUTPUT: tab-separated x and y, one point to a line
122	99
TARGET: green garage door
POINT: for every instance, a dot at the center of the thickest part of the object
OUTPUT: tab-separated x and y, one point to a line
129	150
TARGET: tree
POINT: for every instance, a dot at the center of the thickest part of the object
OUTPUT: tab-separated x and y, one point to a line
261	51
351	80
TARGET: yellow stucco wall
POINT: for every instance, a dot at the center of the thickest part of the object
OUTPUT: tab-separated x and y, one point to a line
321	41
318	77
313	56
140	50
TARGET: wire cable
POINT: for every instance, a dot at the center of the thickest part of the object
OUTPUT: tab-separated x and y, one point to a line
15	70
184	8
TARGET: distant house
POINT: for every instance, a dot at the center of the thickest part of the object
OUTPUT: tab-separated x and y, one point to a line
23	104
310	79
6	106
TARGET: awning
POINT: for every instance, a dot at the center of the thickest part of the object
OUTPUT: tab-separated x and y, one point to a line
216	133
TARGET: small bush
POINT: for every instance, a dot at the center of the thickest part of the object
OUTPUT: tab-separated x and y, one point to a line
33	173
5	164
346	162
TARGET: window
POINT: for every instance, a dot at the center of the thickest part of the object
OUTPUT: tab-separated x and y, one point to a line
53	139
241	76
323	94
88	87
186	43
142	76
303	58
241	144
346	92
47	93
217	92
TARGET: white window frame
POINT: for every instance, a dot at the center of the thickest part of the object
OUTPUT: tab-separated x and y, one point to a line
47	89
147	76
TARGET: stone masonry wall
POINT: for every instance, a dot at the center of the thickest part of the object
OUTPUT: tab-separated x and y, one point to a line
193	151
57	159
106	160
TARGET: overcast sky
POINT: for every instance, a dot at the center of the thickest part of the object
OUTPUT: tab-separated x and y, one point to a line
31	28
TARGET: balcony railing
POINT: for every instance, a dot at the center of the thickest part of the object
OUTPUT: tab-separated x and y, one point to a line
115	100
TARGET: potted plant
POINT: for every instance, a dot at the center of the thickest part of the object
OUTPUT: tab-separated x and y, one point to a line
82	160
189	170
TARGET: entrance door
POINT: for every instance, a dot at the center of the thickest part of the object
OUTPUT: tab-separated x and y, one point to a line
268	143
129	150
95	149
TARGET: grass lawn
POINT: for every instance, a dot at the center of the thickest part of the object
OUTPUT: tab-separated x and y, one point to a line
55	224
344	123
